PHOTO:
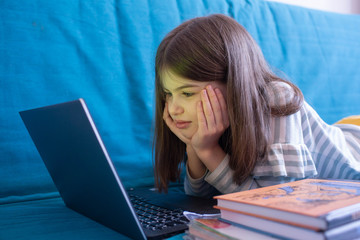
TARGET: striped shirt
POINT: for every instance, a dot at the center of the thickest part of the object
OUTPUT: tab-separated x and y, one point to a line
301	146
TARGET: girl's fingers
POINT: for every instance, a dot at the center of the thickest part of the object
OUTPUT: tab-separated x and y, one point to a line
207	110
215	104
223	107
202	124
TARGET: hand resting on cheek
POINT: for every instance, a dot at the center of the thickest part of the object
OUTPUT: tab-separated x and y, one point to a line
212	121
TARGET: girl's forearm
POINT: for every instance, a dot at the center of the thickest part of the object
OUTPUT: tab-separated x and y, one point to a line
211	158
196	167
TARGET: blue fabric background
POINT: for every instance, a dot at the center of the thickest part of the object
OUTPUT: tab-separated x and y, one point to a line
103	51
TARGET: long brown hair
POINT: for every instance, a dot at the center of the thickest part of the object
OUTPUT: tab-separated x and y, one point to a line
217	48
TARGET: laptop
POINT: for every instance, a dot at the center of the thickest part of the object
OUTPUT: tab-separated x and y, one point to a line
68	142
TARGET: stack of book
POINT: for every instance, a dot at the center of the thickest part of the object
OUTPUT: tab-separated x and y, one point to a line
306	209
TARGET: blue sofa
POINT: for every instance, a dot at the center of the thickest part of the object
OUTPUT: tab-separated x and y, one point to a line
103	51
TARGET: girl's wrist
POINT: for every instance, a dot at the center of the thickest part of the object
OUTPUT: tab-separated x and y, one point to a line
195	166
211	157
189	148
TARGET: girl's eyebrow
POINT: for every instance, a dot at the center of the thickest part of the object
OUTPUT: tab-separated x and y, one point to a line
183	87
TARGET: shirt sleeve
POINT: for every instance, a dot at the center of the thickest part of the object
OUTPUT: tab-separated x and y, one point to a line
288	154
287	160
220	181
198	187
280	94
222	178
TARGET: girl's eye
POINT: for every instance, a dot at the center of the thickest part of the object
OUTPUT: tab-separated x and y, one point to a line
167	94
187	94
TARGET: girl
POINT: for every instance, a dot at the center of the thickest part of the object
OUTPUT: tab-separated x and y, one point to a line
237	125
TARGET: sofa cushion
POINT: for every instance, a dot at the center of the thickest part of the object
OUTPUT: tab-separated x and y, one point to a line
49	219
103	51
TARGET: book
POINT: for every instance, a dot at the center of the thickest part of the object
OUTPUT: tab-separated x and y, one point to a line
287	231
215	229
315	204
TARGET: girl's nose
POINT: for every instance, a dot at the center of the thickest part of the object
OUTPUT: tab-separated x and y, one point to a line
175	108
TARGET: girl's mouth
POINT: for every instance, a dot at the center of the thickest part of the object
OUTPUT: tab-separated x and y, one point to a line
182	124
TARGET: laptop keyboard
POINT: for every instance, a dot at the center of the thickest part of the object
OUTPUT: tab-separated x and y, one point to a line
156	218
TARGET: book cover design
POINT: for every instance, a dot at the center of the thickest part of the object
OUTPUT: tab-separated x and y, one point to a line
312	197
213	223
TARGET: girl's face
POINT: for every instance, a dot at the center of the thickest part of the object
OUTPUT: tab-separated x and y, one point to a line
182	96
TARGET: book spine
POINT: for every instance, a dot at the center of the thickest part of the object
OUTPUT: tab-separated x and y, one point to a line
342	216
272	235
347	231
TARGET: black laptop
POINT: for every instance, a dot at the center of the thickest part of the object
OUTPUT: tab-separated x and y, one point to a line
66	137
